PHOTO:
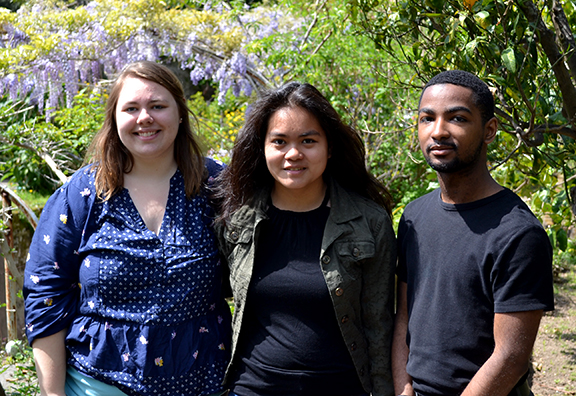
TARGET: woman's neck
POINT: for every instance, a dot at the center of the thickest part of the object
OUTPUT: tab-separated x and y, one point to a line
153	170
296	200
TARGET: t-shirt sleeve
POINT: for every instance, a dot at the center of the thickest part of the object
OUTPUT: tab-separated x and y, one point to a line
51	287
522	276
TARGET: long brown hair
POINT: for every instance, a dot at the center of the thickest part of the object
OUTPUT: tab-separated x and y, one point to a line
247	173
112	159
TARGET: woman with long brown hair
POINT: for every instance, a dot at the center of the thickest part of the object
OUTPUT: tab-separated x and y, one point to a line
123	281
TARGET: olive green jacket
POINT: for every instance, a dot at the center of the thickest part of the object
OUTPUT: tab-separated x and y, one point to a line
358	258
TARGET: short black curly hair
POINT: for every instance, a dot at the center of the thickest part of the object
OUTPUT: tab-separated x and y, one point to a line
483	98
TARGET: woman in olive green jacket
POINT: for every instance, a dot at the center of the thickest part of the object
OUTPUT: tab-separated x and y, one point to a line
308	240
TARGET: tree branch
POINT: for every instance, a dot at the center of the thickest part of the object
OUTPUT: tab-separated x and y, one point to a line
42	154
565	36
20	204
547	40
7	254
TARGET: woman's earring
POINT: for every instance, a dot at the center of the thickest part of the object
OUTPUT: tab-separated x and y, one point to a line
180	120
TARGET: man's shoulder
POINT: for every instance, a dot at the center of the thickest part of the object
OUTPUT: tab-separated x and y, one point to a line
422	202
515	209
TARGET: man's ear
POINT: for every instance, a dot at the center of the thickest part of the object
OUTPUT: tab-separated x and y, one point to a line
490	130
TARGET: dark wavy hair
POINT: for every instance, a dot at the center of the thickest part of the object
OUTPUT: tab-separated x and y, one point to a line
112	159
483	98
247	173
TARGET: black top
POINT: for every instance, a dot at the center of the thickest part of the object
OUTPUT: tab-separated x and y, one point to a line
464	263
292	343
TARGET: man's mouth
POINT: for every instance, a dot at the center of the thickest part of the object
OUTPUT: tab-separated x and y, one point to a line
440	149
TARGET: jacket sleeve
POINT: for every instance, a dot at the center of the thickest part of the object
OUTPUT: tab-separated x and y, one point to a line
378	305
51	289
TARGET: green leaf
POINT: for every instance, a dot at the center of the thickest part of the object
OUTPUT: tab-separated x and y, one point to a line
482	18
562	239
509	60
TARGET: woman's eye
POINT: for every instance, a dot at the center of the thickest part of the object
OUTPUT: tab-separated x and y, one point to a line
308	141
277	141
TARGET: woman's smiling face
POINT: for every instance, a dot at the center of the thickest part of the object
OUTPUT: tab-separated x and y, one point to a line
296	151
147	118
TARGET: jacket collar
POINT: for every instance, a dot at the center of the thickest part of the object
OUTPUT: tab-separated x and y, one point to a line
252	213
345	209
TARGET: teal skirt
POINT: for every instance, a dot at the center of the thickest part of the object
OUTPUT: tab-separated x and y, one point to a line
78	384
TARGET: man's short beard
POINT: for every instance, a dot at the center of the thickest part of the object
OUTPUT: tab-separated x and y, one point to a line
457	164
447	167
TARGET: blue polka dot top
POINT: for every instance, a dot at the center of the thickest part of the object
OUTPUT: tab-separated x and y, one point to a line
144	312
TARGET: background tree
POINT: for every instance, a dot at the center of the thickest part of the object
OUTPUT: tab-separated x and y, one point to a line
526	52
370	57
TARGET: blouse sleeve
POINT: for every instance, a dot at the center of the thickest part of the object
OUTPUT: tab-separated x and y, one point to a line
51	289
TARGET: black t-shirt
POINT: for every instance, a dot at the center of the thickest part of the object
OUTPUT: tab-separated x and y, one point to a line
292	344
462	264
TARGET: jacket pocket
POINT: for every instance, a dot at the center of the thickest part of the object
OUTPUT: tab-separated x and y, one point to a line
351	255
355	251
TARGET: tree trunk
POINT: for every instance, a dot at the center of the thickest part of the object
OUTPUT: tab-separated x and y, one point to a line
546	38
565	36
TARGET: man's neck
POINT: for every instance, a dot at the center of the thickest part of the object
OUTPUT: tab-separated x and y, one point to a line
458	189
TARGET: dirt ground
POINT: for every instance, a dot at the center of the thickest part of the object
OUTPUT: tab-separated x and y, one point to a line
554	357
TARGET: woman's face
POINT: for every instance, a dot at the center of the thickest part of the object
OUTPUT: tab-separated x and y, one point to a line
148	119
296	151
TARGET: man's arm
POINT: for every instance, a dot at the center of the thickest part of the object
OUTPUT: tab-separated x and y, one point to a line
50	358
514	336
402	381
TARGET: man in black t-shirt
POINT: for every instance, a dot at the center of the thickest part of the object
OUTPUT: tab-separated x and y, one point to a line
475	265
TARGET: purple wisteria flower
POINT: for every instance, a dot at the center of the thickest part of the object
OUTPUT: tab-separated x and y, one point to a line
86	52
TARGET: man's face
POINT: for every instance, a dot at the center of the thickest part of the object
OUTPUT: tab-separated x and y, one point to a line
450	128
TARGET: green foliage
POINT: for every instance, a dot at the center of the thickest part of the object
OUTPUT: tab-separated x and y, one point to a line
12	5
535	153
25	380
65	137
565	261
218	125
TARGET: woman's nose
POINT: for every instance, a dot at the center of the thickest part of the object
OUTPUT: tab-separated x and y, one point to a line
293	153
144	117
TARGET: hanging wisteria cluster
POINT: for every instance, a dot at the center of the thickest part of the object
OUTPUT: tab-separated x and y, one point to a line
48	54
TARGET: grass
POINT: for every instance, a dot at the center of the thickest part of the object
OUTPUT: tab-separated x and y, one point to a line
33	199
